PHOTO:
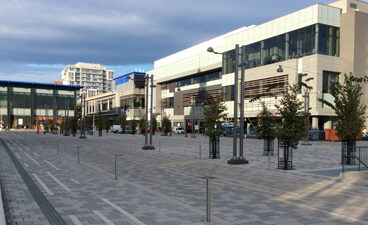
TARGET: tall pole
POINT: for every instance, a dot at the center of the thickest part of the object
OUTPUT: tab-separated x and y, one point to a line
193	119
146	123
241	157
151	114
83	104
146	145
235	159
306	110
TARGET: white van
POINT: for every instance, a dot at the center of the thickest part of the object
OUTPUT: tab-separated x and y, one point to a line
116	129
178	130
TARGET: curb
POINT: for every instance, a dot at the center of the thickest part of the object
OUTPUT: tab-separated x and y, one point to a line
2	214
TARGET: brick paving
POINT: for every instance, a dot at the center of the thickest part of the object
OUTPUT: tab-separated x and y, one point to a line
167	185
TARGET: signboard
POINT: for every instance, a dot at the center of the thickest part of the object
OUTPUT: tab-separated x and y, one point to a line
196	127
20	121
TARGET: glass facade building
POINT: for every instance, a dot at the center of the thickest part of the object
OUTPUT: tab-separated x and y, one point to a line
314	39
27	105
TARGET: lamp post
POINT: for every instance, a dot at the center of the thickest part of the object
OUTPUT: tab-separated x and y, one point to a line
193	119
66	118
149	85
235	160
83	104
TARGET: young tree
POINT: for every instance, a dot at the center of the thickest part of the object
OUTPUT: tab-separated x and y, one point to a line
214	113
350	112
99	125
154	125
123	122
142	124
166	124
133	124
266	128
74	124
292	126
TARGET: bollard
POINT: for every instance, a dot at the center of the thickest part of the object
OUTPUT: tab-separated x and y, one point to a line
57	147
78	154
200	151
116	167
208	217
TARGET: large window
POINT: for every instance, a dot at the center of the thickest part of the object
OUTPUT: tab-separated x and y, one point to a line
167	102
228	93
328	40
309	40
329	79
132	102
199	79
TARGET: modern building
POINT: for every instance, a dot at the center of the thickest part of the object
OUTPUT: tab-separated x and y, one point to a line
126	97
27	105
95	78
322	41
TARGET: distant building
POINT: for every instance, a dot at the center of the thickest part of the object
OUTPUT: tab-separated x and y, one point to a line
27	104
95	78
127	98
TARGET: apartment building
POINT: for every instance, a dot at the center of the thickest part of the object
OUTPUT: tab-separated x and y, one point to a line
95	78
322	41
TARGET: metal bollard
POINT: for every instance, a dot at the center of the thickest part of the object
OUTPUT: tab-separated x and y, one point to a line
200	151
78	155
208	216
116	167
57	147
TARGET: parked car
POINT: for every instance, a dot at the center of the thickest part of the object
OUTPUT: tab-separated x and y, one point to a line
116	129
178	130
128	130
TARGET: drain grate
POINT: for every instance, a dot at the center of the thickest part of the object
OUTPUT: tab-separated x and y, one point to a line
46	207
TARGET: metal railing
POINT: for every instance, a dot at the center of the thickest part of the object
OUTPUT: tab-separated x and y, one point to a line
357	158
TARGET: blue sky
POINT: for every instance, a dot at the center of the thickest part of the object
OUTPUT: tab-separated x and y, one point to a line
39	38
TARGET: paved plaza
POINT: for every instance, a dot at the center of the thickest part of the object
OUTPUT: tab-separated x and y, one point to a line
43	183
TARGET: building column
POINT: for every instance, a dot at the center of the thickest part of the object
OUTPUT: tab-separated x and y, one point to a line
315	123
248	128
327	125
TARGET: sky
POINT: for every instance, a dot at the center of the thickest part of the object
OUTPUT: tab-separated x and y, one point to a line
39	38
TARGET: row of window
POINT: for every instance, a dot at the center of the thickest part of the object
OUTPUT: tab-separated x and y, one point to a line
201	78
318	38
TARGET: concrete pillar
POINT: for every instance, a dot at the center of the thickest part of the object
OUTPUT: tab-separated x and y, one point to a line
248	127
315	123
327	125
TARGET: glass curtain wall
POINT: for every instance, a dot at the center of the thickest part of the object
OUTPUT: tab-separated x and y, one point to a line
65	101
20	107
317	38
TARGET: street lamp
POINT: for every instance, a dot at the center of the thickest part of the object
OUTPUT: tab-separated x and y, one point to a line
237	159
83	104
149	85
